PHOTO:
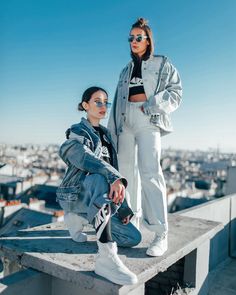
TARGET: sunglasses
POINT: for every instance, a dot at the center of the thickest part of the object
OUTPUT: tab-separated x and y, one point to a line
100	104
138	38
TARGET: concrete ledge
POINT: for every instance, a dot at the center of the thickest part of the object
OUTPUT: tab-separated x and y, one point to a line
221	210
50	249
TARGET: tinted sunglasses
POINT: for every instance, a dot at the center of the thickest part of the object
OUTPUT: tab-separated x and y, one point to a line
100	104
138	38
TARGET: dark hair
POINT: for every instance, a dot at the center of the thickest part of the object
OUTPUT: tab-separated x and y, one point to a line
87	95
142	23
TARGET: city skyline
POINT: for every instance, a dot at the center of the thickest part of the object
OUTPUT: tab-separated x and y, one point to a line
52	51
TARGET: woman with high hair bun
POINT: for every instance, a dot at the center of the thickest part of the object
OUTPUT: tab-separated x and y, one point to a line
93	191
148	91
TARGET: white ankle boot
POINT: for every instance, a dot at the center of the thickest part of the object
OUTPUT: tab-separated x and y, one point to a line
109	265
159	245
75	225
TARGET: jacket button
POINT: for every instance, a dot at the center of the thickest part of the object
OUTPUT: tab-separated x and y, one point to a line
123	97
122	114
144	68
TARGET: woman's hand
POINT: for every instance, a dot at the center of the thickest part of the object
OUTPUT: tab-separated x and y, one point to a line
117	192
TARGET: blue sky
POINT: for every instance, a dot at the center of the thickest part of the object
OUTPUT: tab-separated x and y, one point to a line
51	51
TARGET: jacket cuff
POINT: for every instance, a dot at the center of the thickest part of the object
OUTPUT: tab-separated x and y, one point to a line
122	179
125	212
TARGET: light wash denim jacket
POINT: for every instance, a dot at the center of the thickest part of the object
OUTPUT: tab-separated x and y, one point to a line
82	154
162	86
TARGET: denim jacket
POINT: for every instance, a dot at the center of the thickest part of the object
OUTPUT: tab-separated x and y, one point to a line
162	86
82	154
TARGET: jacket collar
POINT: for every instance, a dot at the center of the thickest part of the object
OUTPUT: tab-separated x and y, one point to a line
84	123
88	125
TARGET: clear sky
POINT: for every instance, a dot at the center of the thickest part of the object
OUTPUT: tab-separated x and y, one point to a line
51	51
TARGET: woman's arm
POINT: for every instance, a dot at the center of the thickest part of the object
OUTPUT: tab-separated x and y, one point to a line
76	153
112	127
111	122
166	100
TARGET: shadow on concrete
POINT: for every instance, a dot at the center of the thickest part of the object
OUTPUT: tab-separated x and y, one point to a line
57	241
42	233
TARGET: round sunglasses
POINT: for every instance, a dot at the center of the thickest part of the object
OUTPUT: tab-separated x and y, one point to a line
100	104
138	38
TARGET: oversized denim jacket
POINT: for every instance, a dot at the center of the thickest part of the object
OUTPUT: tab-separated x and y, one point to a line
162	86
82	154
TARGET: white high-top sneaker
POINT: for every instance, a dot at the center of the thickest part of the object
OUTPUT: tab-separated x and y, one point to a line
109	265
159	245
75	224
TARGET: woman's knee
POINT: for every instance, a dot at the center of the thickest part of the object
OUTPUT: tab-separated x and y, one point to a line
136	237
125	235
131	240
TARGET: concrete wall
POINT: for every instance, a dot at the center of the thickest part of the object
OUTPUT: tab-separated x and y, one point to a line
222	210
231	181
168	281
233	227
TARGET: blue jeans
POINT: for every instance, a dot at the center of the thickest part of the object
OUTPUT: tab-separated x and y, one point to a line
95	196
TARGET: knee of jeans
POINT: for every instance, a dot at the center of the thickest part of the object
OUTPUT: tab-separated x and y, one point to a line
133	239
137	237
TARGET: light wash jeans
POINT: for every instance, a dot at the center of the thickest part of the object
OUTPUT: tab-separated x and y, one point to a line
139	153
95	195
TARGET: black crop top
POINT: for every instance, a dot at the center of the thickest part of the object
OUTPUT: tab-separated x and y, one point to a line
136	81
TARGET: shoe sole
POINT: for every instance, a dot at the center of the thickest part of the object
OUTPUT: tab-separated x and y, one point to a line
115	280
155	255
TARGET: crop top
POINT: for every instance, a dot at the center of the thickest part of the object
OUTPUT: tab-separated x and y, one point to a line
136	81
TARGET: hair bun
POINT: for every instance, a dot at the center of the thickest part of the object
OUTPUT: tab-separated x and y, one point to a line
80	107
142	22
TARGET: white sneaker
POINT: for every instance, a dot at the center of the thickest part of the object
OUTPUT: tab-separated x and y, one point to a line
75	224
159	245
109	265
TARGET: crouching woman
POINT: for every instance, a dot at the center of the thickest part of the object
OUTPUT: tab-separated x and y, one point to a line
93	190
